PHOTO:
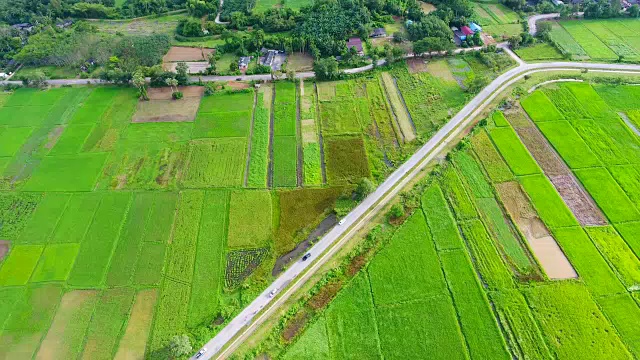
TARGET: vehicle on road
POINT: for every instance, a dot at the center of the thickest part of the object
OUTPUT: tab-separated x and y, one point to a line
306	256
201	352
341	222
273	292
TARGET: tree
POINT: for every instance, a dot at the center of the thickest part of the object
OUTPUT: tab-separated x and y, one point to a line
396	211
476	83
364	188
326	69
212	63
430	44
429	26
291	75
140	82
200	8
543	29
514	41
180	345
173	83
634	11
182	73
238	19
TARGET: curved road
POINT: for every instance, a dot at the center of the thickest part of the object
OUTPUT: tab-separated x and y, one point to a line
243	324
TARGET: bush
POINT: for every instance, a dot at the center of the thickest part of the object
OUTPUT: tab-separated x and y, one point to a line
177	95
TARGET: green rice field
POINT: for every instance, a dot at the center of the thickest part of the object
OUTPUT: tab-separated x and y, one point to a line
464	274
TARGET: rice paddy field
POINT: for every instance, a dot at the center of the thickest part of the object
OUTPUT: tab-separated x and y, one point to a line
121	234
497	20
523	244
603	40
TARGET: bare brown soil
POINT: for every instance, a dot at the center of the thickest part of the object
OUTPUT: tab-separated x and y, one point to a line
416	65
309	131
236	85
577	199
295	325
544	247
4	248
325	295
167	110
134	340
54	345
179	53
164	93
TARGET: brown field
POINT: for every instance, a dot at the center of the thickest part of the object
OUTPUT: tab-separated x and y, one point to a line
66	334
572	193
194	67
427	7
161	108
134	341
309	131
4	248
236	85
300	62
179	53
440	68
543	245
416	65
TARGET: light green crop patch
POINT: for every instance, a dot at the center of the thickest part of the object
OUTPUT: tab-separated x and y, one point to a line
17	269
250	223
55	263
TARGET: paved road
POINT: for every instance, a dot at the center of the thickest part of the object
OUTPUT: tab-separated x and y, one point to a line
244	324
533	20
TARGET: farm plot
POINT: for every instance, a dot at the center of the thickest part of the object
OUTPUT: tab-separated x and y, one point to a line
346	160
567	45
218	121
312	157
514	152
259	157
540	108
569	144
572	323
591	44
399	109
285	142
608	195
250	222
217	162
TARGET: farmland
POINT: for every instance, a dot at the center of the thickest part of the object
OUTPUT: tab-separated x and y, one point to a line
527	232
127	224
610	39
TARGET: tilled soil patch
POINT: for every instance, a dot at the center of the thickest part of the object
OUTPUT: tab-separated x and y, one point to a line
544	154
164	93
578	200
416	65
544	247
4	248
295	325
179	53
325	295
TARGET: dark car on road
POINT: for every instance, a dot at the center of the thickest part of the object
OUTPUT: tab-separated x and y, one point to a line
306	256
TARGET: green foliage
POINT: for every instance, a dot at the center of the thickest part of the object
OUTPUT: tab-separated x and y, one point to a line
618	254
351	320
493	163
514	152
215	162
313	344
182	248
76	218
572	323
250	222
17	268
346	159
462	205
223	124
180	346
408	268
67	173
311	161
55	262
285	161
552	209
44	219
474	313
624	314
170	317
472	174
12	139
608	195
101	238
569	144
259	145
444	230
587	261
540	108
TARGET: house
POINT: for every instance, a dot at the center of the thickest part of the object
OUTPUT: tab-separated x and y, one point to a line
357	44
475	27
23	27
243	63
273	59
467	31
557	2
378	33
459	36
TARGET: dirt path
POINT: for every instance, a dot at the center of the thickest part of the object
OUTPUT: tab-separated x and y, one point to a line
395	126
270	168
320	138
253	120
300	162
626	120
573	194
404	103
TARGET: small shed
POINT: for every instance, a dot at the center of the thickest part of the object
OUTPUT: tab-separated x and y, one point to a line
475	27
459	35
356	43
243	63
378	33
